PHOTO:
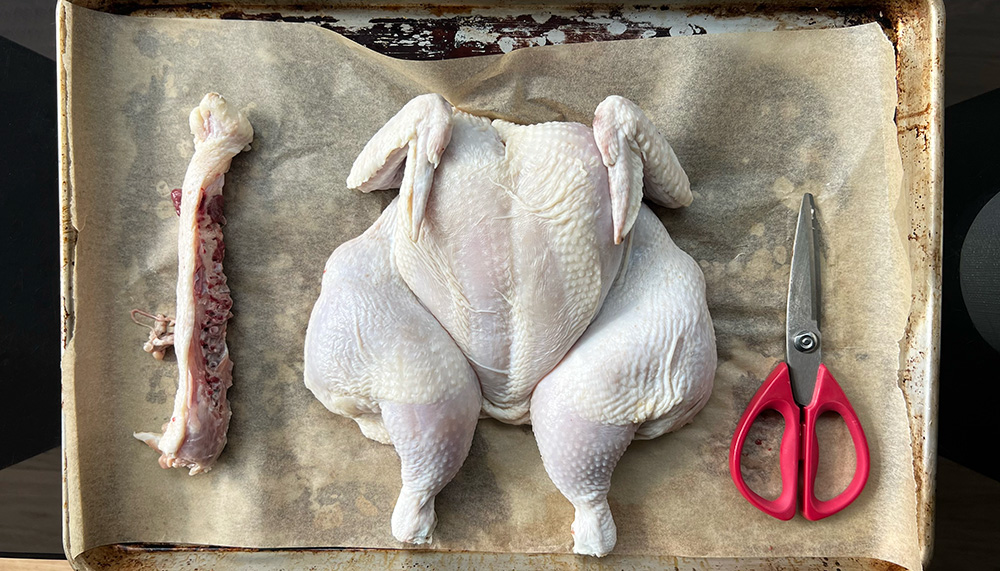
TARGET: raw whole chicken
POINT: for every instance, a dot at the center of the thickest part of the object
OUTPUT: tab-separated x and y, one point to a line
196	433
517	273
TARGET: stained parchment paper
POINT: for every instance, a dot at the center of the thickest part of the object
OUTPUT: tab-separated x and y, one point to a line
756	119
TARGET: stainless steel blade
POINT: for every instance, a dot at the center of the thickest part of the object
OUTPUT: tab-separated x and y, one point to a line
802	335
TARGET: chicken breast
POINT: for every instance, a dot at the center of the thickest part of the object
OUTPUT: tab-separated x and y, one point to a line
513	241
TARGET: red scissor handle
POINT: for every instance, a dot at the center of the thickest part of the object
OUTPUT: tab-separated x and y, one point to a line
774	394
828	396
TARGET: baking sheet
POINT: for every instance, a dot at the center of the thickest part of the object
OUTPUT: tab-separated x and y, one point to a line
754	120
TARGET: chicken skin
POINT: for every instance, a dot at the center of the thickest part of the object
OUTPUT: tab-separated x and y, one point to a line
541	285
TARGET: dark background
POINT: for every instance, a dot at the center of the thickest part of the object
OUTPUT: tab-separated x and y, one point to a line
968	487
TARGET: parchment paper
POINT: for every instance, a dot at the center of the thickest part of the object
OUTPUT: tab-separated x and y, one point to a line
756	119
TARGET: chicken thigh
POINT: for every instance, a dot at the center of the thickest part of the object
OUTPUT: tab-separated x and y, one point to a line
375	355
644	367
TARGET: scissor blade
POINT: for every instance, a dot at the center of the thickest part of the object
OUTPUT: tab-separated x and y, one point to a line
802	335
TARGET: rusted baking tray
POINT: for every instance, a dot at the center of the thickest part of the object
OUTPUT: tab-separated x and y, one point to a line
915	27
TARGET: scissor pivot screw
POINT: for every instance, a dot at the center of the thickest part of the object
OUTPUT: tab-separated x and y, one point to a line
805	342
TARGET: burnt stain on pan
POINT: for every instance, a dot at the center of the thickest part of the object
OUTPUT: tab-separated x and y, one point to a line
441	32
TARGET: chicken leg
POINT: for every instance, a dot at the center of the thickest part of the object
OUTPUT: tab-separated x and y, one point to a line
375	355
644	367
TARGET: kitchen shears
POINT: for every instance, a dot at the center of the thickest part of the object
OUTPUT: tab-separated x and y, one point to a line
801	389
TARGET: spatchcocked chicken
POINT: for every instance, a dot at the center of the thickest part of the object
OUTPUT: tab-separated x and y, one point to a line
519	275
